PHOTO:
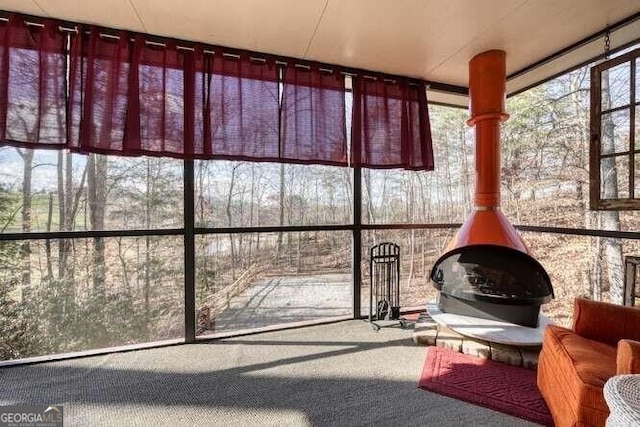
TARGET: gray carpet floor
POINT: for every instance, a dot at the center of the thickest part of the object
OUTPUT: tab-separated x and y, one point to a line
341	374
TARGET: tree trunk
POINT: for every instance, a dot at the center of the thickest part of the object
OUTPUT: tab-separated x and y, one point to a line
230	222
367	182
466	180
68	205
25	247
97	194
448	183
383	200
48	241
596	280
580	114
62	214
147	247
123	264
282	197
251	209
611	219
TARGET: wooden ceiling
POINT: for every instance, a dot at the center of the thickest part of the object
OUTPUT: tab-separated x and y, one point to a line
429	39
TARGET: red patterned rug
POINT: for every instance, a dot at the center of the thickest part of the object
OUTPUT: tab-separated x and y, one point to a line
494	385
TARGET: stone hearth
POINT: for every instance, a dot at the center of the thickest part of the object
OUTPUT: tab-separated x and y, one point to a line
429	332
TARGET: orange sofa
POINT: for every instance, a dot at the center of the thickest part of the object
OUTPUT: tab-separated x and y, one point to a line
575	363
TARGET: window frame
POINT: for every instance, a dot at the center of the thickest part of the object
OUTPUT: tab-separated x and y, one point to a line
597	202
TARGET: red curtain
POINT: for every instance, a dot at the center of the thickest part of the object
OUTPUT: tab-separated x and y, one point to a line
391	124
129	97
100	94
313	115
240	108
32	84
116	92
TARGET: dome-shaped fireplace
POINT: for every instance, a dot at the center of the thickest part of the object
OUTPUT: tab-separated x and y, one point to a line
492	282
487	270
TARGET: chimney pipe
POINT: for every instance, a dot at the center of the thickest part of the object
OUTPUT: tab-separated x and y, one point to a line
487	224
487	84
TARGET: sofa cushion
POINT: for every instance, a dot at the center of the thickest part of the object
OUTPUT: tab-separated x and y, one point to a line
628	359
605	322
584	365
593	361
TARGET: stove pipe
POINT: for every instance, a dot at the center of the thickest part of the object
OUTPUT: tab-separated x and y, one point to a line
487	224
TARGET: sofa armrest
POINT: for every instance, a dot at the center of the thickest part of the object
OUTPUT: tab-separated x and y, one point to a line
628	357
605	322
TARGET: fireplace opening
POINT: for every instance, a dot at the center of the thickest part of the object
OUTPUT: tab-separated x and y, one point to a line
492	282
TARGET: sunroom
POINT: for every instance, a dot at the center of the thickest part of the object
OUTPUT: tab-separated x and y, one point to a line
200	186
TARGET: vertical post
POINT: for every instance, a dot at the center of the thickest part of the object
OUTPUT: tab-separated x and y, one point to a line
357	240
189	255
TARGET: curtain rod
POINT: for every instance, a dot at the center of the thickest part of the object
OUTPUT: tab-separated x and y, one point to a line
227	54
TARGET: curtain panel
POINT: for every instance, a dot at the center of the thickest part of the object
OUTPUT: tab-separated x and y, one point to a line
115	92
391	124
33	107
313	125
241	108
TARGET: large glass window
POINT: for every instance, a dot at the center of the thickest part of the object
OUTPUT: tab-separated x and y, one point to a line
60	191
89	291
580	266
440	196
248	281
119	278
245	194
66	295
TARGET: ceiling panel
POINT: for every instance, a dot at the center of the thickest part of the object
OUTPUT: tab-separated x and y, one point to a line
280	27
526	40
402	37
111	13
25	6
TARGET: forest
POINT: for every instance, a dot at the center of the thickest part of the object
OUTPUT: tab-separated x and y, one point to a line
62	295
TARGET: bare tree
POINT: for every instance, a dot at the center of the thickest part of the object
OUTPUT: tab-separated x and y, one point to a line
25	248
230	219
611	219
282	198
97	199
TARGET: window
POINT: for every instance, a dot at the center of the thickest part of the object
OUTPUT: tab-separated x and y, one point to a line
614	153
